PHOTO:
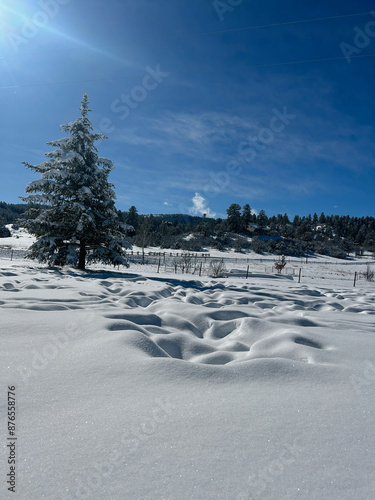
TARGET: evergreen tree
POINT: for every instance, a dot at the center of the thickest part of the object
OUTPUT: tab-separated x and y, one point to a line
220	226
4	232
262	219
370	240
74	219
203	227
132	218
246	216
296	221
273	224
286	219
234	218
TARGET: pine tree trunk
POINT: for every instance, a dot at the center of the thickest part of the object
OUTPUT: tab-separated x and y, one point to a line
82	254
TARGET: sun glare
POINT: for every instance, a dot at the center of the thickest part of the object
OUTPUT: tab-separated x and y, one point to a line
9	18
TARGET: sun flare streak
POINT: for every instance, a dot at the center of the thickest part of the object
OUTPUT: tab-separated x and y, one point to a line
20	28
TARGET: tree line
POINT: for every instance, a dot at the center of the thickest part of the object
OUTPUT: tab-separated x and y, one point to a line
242	230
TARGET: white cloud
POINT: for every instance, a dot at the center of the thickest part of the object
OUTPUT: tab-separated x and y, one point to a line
199	206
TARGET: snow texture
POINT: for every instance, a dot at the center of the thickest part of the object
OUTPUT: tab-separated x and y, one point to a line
148	386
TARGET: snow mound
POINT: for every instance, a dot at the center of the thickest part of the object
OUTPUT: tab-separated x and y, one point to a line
203	323
221	326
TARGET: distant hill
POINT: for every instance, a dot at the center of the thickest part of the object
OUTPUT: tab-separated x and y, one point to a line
10	212
337	236
179	218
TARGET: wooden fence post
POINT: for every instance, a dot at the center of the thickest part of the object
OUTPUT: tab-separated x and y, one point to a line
299	276
247	272
307	251
355	278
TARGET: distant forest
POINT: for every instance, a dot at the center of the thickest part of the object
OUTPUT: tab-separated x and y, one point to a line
242	230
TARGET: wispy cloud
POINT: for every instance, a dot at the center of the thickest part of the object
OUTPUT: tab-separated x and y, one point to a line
190	148
215	138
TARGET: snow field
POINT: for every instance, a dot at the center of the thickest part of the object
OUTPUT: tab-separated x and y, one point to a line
153	386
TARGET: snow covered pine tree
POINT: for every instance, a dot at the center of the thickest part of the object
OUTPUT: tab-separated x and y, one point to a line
74	219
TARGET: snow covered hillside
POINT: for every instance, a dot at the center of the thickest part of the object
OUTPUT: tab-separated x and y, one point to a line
20	238
138	385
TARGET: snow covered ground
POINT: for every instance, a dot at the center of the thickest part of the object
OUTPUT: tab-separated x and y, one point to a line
133	384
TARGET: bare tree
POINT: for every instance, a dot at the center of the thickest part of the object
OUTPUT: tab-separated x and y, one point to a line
369	274
217	269
280	264
187	262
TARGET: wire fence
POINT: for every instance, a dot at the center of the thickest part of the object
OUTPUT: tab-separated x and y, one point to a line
12	253
205	264
153	257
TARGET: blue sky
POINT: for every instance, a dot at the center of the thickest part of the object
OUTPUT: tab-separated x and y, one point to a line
199	112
